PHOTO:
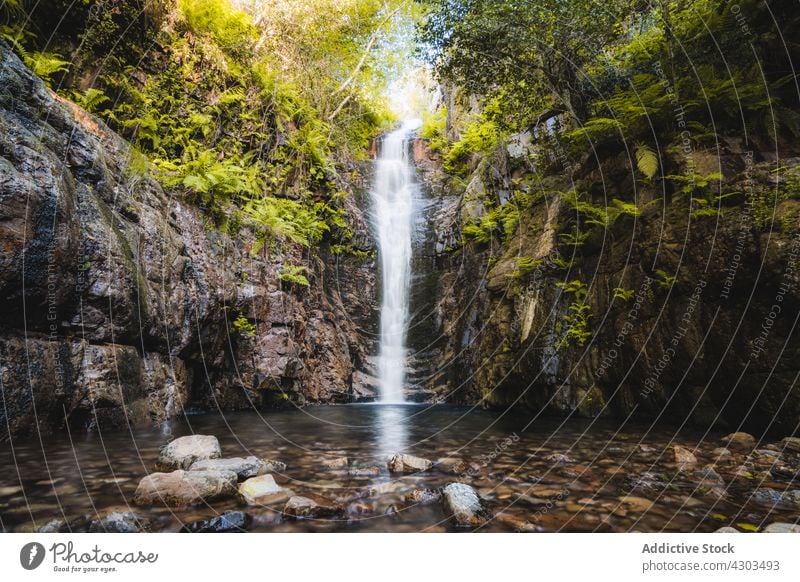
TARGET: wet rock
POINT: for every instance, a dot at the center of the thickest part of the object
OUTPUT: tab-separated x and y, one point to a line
791	444
54	526
740	441
359	509
183	452
516	524
423	496
243	467
263	490
784	472
452	466
230	521
401	463
779	527
721	454
463	506
769	496
647	481
558	458
299	507
683	457
119	522
181	488
708	476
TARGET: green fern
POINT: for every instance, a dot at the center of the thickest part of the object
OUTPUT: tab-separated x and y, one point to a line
623	294
294	274
45	65
646	160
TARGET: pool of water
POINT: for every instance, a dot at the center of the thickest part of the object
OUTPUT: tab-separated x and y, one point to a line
542	475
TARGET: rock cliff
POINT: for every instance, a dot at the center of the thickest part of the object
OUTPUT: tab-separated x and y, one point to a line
118	301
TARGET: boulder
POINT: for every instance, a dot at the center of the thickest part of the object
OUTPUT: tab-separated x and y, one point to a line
119	522
263	490
299	507
181	488
779	527
740	441
401	463
243	467
183	452
463	506
228	522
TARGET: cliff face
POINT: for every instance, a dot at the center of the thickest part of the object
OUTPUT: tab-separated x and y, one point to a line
117	300
716	345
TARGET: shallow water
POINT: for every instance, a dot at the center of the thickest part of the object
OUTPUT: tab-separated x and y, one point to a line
509	465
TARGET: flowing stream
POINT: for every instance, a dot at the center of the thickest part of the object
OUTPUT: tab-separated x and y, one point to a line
393	201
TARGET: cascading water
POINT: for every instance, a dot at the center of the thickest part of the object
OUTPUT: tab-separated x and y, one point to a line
393	200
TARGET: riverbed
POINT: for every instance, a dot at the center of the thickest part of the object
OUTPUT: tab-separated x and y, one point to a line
531	474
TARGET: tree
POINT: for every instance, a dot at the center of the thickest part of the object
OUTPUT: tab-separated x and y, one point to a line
531	47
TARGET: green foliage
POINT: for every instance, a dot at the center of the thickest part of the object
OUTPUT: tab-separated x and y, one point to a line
434	129
603	216
284	219
294	275
525	266
45	65
480	136
91	100
575	329
664	279
244	327
231	29
623	294
646	160
574	239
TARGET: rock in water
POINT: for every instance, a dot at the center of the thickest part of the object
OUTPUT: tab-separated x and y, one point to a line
304	507
263	490
740	441
768	496
400	463
230	521
423	496
463	505
791	444
183	452
182	488
778	527
243	467
119	522
683	457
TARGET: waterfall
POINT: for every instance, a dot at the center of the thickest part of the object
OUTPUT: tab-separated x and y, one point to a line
393	202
